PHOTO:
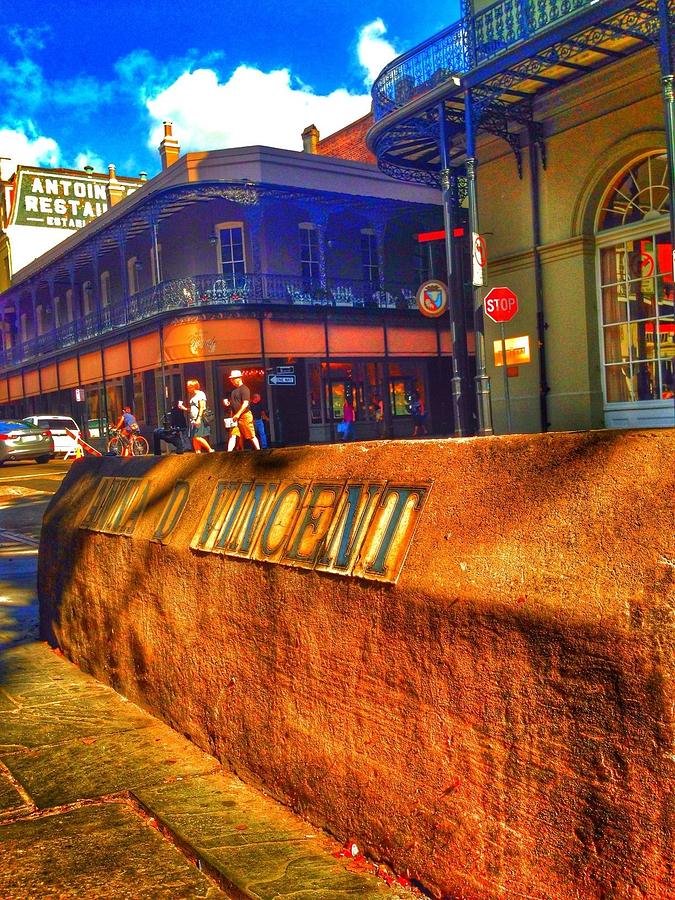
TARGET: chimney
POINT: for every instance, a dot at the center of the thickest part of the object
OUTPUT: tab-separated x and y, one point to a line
169	149
114	189
310	139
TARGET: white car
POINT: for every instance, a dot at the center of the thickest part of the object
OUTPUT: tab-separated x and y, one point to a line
63	444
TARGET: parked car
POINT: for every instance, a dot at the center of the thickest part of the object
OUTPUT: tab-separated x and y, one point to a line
23	440
57	425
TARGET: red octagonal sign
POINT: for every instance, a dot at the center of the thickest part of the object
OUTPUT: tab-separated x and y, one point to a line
501	304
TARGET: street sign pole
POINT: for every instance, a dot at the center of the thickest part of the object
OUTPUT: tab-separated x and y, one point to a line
501	305
482	379
507	395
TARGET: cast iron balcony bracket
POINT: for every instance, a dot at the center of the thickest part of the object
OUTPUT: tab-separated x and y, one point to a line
496	50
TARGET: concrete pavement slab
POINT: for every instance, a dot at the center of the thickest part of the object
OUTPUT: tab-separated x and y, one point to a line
110	763
96	852
11	800
54	721
257	846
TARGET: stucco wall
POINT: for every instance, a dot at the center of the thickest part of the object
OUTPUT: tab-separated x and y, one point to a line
499	722
592	129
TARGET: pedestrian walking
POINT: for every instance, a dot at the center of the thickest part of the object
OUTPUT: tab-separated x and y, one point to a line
199	430
348	418
260	416
242	417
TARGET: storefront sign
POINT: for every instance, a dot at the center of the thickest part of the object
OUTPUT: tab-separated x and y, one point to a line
352	528
517	351
432	299
47	199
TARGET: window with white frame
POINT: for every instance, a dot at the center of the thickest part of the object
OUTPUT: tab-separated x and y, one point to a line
156	264
105	288
370	261
231	255
309	252
132	275
87	298
69	305
637	288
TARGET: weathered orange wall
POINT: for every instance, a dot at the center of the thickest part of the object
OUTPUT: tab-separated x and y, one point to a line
15	387
499	722
49	378
90	367
31	383
68	373
116	359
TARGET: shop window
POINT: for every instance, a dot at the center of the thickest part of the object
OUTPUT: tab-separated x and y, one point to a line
231	257
309	252
370	261
406	384
139	397
637	289
330	383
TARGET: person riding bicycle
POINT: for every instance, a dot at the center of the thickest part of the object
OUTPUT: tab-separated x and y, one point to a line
127	427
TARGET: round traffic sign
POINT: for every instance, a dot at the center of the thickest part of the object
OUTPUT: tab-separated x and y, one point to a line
432	298
501	304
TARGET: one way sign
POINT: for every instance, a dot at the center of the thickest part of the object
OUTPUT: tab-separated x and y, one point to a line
277	380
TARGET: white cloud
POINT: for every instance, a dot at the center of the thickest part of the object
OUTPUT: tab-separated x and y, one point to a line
89	158
21	146
373	51
252	107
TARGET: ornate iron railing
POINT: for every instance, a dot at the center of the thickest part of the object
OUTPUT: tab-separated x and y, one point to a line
199	291
463	46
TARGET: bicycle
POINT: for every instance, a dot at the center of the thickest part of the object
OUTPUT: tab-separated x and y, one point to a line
119	442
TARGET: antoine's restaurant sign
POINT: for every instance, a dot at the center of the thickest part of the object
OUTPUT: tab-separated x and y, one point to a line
48	199
345	527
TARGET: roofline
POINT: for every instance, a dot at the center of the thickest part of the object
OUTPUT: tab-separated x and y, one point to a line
138	199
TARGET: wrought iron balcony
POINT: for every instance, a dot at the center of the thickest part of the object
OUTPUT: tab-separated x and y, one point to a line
203	291
465	45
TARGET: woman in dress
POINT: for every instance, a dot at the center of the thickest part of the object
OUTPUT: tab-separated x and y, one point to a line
199	430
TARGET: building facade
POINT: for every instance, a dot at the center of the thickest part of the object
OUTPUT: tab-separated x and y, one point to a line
552	126
299	269
41	207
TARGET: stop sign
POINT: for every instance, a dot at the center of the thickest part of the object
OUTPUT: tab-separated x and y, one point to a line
501	304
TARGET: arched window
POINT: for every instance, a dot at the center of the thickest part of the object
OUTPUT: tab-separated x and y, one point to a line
637	294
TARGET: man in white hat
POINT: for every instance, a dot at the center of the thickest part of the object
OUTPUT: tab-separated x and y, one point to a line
240	400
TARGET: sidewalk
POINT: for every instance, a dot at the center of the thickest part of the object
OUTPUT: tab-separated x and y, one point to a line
99	799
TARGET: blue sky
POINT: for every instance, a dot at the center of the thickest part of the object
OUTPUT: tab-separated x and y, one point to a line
91	83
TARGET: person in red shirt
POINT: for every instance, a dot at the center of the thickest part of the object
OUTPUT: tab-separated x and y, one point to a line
348	418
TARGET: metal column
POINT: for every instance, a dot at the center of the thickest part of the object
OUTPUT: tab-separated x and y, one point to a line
534	152
483	395
460	380
668	84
